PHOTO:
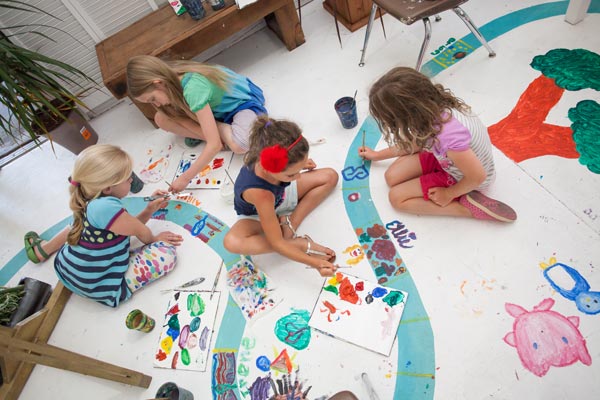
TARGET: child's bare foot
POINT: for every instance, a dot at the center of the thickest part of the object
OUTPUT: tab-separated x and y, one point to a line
34	248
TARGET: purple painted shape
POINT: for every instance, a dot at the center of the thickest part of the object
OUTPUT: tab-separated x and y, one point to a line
545	338
203	338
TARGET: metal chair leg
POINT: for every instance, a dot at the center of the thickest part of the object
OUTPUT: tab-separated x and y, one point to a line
367	34
426	39
463	15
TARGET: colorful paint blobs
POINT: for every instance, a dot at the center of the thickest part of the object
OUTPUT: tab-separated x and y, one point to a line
190	333
223	376
587	302
362	312
355	253
381	252
211	176
293	329
545	338
156	166
251	289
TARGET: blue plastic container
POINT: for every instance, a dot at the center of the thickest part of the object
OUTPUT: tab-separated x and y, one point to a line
346	110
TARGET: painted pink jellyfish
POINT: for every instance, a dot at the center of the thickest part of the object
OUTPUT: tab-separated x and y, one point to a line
545	338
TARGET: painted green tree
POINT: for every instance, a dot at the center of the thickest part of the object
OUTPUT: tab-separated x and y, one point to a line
577	69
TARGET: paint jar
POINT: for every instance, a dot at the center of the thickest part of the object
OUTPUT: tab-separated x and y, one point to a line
194	8
139	321
216	4
226	191
136	184
171	391
346	110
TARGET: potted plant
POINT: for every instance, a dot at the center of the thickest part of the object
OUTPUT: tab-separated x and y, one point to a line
23	300
35	89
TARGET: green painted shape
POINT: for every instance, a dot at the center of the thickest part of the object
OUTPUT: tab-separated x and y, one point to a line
586	133
393	298
195	304
332	289
575	69
185	357
293	329
174	322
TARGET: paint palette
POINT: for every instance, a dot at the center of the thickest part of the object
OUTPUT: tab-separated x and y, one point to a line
187	331
211	176
359	312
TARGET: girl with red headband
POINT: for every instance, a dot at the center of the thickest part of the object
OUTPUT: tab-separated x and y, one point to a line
272	196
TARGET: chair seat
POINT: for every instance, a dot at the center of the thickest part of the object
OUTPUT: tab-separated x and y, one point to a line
408	11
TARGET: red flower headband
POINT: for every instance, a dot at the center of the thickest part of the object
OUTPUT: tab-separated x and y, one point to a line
275	158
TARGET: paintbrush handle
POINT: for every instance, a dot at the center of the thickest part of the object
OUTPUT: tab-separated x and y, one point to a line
216	279
192	282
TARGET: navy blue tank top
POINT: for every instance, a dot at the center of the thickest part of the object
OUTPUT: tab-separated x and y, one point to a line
247	179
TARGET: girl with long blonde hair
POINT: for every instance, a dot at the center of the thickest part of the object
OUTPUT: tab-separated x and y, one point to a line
199	102
94	258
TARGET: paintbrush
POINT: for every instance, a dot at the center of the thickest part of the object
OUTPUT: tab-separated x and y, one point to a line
337	266
158	196
185	285
212	292
363	146
229	176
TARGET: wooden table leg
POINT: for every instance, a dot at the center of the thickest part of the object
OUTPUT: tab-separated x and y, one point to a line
285	23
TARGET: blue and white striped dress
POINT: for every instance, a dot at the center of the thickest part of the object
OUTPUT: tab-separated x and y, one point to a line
95	268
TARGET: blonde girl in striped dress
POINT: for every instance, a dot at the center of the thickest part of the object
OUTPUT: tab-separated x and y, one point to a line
444	154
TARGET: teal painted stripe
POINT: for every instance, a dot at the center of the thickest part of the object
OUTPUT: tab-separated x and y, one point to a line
506	23
233	324
415	340
18	261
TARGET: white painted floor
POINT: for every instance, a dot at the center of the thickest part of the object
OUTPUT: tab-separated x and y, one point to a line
465	270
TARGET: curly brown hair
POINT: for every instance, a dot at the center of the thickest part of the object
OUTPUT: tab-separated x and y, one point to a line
410	109
268	132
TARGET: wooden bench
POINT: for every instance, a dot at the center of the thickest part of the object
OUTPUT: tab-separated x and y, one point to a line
164	34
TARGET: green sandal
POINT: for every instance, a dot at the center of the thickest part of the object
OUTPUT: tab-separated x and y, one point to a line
191	142
32	242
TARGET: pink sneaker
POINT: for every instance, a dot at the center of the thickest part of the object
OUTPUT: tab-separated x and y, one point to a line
483	207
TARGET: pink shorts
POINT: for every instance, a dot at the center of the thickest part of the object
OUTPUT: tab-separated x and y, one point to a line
433	174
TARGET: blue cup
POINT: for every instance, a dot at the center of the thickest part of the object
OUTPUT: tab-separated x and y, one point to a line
346	110
194	8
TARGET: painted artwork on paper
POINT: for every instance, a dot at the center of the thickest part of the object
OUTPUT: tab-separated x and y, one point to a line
252	289
360	312
211	176
186	335
156	166
544	338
